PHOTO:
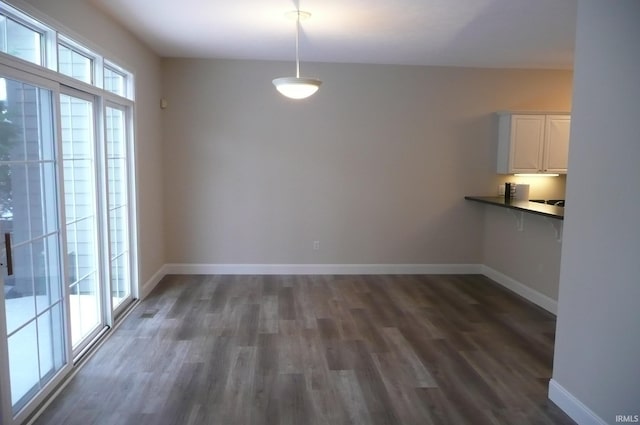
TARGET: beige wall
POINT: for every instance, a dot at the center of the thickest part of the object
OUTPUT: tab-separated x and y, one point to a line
91	26
530	256
596	370
374	166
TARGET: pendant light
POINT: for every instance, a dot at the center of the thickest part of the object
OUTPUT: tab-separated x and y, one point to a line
297	87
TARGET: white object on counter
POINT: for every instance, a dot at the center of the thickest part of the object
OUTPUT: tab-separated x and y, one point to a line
522	192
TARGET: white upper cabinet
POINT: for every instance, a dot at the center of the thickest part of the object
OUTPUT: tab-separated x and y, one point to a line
533	143
556	146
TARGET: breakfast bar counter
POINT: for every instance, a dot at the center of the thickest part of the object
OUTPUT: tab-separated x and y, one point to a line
537	208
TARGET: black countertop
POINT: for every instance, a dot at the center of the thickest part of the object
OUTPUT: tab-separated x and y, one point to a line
527	206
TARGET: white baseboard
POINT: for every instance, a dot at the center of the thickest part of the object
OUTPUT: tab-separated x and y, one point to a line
148	286
320	269
521	289
532	295
572	406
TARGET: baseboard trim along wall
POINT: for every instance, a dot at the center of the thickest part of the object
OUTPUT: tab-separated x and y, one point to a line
148	286
572	406
521	289
513	285
320	269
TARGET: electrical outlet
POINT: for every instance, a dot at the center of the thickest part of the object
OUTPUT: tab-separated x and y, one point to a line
500	190
316	245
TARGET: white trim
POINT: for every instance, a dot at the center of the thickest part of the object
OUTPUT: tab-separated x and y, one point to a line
53	24
509	283
521	289
153	281
322	269
572	406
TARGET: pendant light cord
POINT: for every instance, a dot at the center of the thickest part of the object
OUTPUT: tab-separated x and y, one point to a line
298	44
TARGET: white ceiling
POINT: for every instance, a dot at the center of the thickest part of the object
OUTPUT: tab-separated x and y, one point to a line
472	33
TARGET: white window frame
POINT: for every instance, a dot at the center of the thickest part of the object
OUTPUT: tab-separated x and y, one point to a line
96	60
128	79
48	55
5	391
131	218
53	33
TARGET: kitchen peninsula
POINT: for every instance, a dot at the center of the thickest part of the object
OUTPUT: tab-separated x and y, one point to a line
545	210
521	246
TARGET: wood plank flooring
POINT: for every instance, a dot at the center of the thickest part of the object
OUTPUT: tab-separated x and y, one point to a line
318	350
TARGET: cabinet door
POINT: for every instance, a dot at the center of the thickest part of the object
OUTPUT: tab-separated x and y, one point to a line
556	150
527	143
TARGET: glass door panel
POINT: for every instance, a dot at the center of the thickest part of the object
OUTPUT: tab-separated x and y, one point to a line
32	280
79	165
117	200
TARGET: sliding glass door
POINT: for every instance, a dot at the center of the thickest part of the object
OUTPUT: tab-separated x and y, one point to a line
117	161
67	228
79	165
33	344
65	231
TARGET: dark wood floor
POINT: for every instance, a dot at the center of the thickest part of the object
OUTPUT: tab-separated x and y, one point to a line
320	350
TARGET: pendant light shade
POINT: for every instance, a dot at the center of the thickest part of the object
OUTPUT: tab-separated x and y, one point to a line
297	87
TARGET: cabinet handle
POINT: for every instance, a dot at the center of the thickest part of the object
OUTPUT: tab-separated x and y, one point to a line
7	246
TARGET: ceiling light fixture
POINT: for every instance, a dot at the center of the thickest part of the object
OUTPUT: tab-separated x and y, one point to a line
297	87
